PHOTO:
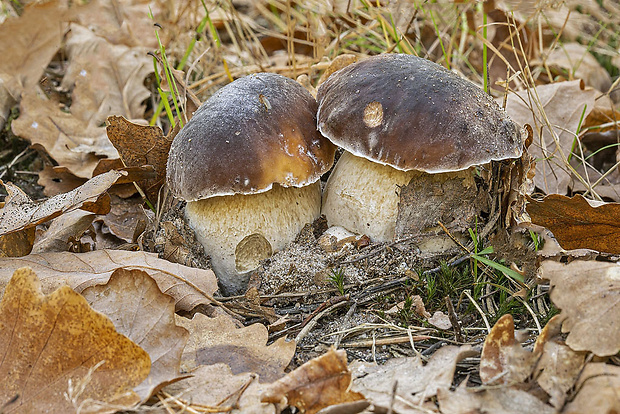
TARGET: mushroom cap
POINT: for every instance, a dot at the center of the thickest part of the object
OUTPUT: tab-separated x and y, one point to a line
253	132
412	114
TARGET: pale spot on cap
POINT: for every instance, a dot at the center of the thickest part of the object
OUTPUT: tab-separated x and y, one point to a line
373	114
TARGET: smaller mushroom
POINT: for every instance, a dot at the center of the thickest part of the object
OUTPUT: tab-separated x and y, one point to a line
401	118
248	165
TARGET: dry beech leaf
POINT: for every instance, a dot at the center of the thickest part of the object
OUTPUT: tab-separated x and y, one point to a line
588	293
138	309
551	174
21	212
599	390
58	180
106	78
503	360
416	383
188	286
235	394
31	41
490	401
319	383
67	139
559	366
47	341
578	225
141	145
17	244
63	230
219	340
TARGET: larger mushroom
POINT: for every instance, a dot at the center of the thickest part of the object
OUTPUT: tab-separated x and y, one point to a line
400	117
248	165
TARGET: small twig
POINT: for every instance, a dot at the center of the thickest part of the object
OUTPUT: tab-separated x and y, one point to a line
380	249
313	319
454	320
344	322
484	317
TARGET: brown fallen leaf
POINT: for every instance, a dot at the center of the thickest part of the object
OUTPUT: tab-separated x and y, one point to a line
21	212
123	217
58	180
227	392
415	383
140	145
17	244
490	401
503	360
599	390
49	345
69	140
106	78
63	231
559	366
588	293
319	383
189	287
138	310
219	340
552	176
576	224
34	39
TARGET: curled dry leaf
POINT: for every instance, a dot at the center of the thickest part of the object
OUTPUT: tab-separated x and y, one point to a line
578	225
552	176
588	293
138	309
57	180
21	212
189	287
63	231
503	360
415	383
219	340
140	145
319	383
227	392
599	387
17	244
50	344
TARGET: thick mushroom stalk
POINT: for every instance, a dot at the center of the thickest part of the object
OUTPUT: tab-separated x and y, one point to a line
240	231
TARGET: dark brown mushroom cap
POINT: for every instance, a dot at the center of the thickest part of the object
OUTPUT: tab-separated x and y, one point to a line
413	114
255	131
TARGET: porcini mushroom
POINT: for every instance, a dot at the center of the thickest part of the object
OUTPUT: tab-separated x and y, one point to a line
399	116
248	165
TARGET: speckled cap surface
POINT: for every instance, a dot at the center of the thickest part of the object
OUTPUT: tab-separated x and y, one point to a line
255	131
412	114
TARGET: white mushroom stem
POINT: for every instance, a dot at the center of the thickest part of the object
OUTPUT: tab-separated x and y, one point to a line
239	231
362	196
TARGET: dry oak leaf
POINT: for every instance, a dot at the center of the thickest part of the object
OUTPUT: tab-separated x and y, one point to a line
63	231
188	286
69	140
588	293
319	383
140	145
58	180
29	43
503	400
105	79
219	340
216	387
576	224
21	212
559	366
17	244
138	310
599	390
415	383
49	343
552	175
503	360
124	216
